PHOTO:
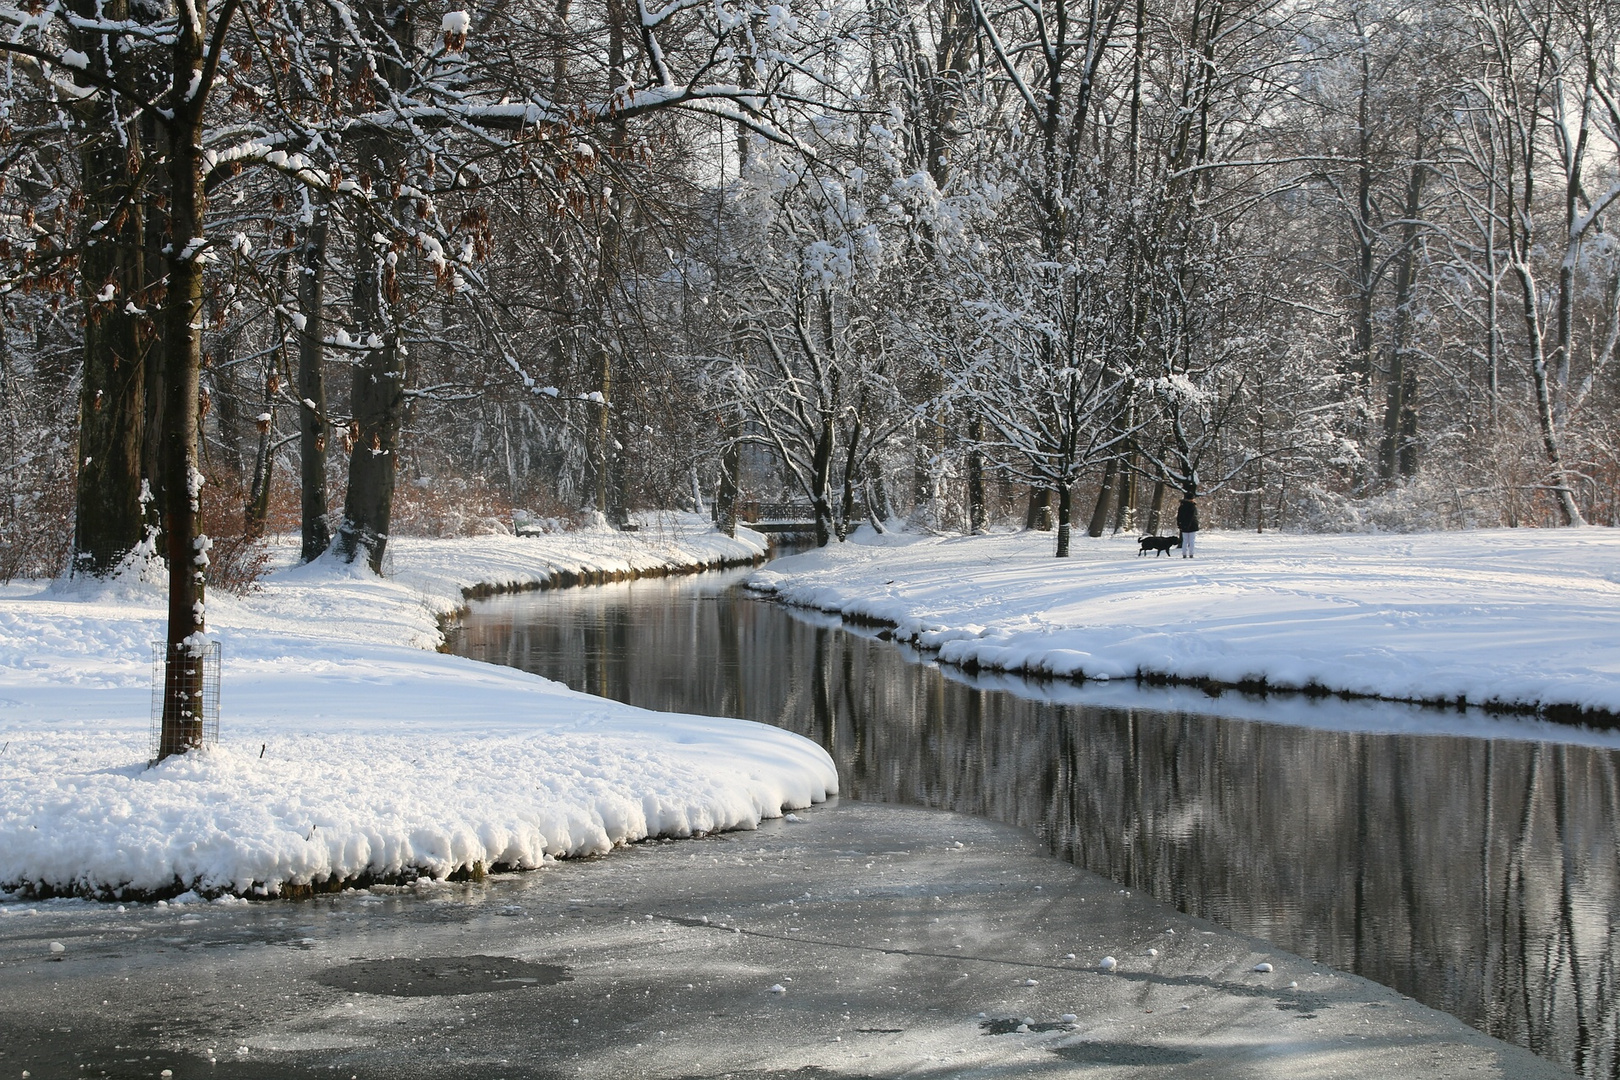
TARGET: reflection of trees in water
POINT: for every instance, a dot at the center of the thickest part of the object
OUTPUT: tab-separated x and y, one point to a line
1480	877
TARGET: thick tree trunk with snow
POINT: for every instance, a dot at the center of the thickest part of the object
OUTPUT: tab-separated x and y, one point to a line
187	549
376	410
377	402
377	395
109	520
1038	514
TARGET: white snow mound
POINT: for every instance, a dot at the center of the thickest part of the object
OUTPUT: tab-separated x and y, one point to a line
1514	616
348	750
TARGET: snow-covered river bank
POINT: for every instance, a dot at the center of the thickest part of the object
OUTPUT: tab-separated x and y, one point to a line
1516	617
349	748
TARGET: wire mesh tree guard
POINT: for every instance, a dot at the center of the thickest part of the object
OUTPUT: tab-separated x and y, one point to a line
193	685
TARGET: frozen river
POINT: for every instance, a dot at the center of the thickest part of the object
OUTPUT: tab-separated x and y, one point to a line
1471	863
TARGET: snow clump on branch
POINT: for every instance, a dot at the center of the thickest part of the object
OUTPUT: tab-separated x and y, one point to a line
455	26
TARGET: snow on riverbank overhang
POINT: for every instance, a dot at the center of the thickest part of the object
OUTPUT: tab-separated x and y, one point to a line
1522	618
349	751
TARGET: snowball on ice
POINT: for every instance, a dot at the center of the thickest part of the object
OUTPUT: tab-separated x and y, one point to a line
347	746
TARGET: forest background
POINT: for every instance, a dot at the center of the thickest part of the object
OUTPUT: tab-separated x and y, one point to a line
361	268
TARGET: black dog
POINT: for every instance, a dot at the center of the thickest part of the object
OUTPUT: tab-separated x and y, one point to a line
1159	545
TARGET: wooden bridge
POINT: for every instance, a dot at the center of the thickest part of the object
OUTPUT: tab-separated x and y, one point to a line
784	517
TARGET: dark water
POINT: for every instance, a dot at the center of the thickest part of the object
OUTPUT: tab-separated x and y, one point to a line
1469	863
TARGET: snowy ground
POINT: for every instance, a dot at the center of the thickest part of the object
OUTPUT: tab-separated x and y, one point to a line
1506	616
347	746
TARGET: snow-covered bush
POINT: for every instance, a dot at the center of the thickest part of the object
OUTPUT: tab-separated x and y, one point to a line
447	506
1428	502
36	521
36	486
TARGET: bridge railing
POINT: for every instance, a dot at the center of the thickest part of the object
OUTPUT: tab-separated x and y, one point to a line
756	512
776	511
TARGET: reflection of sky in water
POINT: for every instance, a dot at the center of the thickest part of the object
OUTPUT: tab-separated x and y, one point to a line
1462	858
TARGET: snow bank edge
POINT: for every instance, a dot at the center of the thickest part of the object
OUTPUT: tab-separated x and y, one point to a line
706	780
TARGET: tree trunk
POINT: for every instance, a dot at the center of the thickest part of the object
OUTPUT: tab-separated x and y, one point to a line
1124	494
316	533
725	500
1064	500
1039	514
821	468
186	547
156	373
877	495
618	509
846	508
975	475
1493	336
597	434
1156	512
924	454
1399	409
1544	405
605	460
226	403
377	407
377	394
377	401
109	520
1366	281
1407	462
258	504
1389	447
1099	513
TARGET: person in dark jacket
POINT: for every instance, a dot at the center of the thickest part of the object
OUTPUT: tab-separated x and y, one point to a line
1187	522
